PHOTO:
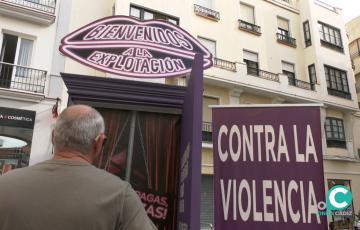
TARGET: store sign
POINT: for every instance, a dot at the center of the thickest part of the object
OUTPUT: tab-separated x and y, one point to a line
128	47
268	168
17	118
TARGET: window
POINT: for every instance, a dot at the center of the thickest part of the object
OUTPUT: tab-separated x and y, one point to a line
205	3
283	27
330	36
16	51
335	134
283	33
312	76
307	34
337	82
145	14
209	44
288	69
252	63
247	13
207	117
355	48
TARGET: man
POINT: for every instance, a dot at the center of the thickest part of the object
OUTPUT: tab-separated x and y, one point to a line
68	192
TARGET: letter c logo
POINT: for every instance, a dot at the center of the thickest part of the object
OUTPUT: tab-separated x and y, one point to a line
339	198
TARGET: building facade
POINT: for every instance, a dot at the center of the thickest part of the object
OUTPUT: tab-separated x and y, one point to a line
265	52
27	41
353	32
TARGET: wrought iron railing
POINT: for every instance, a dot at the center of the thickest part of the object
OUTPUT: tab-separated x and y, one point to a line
206	12
207	132
249	27
338	93
224	64
262	74
22	78
286	39
301	84
47	6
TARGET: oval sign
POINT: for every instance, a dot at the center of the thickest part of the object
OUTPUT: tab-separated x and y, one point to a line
125	46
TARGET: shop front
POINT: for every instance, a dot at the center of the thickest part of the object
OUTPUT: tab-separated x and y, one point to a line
153	130
16	131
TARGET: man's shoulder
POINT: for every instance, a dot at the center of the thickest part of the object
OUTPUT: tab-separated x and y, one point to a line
109	178
16	173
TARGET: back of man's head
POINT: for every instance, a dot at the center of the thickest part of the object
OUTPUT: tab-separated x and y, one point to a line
77	128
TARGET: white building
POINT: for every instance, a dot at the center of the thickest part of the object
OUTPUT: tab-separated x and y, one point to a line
27	41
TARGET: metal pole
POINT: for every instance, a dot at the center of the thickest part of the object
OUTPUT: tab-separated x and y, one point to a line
130	152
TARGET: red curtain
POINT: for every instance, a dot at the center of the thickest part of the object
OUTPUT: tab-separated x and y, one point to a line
155	161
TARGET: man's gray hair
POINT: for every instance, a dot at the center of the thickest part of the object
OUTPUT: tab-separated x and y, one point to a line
78	131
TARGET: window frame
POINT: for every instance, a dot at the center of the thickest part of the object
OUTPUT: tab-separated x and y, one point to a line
312	76
210	40
286	33
18	44
251	70
333	141
357	51
338	78
253	11
307	37
207	135
154	12
289	74
326	38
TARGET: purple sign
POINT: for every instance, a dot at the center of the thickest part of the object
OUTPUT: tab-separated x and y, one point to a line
128	47
190	151
268	168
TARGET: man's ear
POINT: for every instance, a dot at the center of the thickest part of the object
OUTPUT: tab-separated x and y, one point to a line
99	141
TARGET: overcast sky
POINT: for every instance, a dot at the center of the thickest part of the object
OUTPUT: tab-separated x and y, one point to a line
351	8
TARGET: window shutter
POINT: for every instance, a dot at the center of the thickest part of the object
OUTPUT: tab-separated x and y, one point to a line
207	112
207	201
283	24
288	67
251	56
210	45
247	13
205	3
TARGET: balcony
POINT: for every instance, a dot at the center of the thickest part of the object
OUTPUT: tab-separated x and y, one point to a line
301	84
38	11
224	64
206	13
286	40
207	132
22	78
248	27
262	74
338	93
